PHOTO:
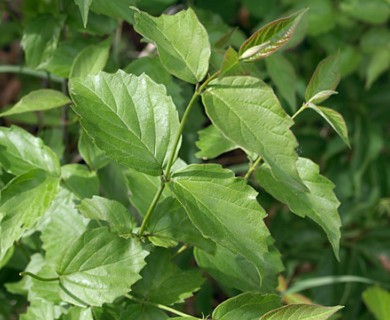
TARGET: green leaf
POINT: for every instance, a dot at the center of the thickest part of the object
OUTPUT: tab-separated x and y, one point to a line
163	282
319	203
22	152
62	224
283	75
335	119
115	9
99	266
84	9
231	64
77	313
111	211
224	209
213	143
38	100
78	179
40	39
170	224
373	11
136	125
184	54
326	77
91	60
41	310
23	201
269	38
233	271
248	113
246	306
301	312
92	155
144	312
378	302
379	63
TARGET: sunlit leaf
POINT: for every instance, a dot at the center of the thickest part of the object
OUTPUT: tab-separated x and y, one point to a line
99	267
269	38
39	100
130	118
301	312
184	54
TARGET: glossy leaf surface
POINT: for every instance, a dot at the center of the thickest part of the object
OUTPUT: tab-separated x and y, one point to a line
269	38
184	53
130	118
335	119
319	203
99	267
22	152
39	100
224	209
248	113
246	306
301	312
326	77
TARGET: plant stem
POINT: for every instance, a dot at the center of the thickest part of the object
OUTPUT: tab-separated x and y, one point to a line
179	133
167	176
29	72
304	106
252	168
151	208
32	275
160	306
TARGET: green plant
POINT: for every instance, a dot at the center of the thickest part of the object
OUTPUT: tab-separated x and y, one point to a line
93	255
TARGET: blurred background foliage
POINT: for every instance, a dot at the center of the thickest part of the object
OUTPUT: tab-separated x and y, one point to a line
358	30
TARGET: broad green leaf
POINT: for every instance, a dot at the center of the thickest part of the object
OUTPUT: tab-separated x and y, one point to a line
115	9
40	39
23	201
301	312
379	63
184	54
283	75
62	224
246	306
91	60
111	211
213	143
92	155
144	312
163	282
78	179
84	9
170	224
373	11
335	119
130	118
77	313
248	113
326	77
378	302
269	38
22	152
99	266
38	100
319	203
41	310
224	209
234	271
